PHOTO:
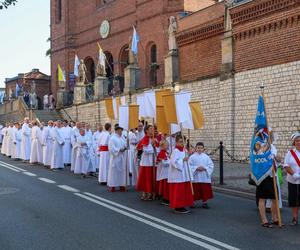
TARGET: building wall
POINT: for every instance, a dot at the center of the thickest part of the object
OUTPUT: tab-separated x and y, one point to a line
194	5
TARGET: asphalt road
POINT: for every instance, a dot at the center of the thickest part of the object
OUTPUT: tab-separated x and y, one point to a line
41	209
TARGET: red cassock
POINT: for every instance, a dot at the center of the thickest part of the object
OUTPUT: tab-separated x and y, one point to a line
163	187
181	195
147	174
202	191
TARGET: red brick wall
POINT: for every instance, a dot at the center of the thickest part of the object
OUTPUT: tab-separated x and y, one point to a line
266	33
78	32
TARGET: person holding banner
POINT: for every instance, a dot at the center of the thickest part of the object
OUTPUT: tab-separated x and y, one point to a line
147	175
292	166
117	172
181	194
104	154
202	167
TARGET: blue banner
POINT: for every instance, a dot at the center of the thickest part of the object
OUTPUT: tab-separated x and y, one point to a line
261	158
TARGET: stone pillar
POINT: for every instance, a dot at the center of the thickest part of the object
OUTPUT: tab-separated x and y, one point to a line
61	93
79	93
132	78
100	87
171	67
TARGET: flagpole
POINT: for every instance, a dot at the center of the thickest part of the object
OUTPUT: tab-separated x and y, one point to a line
189	173
273	166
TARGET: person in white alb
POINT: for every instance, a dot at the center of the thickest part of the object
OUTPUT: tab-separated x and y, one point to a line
17	142
57	152
47	144
10	132
202	168
133	170
83	163
25	143
36	148
117	172
104	154
74	136
67	148
4	140
96	137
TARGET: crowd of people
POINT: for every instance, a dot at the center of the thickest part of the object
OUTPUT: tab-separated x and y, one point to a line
159	166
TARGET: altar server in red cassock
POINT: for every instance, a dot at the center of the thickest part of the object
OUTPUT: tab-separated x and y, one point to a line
147	173
202	167
180	191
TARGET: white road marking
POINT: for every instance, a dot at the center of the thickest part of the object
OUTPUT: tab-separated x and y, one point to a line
13	169
150	223
29	173
68	188
46	180
184	230
10	165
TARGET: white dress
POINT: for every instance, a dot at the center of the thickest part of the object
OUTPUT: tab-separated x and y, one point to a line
117	174
25	142
57	153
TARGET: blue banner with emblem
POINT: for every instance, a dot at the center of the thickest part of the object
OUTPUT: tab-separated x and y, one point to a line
261	158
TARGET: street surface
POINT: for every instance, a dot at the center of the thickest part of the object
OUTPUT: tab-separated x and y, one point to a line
41	209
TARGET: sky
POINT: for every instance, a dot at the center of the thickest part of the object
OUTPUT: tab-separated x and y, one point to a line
24	30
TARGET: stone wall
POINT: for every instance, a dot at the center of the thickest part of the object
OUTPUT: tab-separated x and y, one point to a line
230	107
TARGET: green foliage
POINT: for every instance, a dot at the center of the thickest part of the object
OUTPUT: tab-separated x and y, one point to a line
6	3
48	52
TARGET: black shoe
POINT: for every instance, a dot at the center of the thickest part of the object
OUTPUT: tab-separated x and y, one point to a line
294	222
181	210
204	205
103	183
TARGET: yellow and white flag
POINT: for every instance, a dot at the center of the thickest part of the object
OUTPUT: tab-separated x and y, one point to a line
61	77
129	116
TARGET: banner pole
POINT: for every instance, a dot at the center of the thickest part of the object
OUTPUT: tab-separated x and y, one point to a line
273	165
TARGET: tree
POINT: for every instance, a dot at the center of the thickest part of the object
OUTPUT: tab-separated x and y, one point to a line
6	3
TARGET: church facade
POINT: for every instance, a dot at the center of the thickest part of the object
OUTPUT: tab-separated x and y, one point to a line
77	26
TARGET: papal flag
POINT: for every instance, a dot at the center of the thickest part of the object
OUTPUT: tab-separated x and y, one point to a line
261	159
197	114
112	106
61	77
129	116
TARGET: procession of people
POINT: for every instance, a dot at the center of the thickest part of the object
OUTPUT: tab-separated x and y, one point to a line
140	158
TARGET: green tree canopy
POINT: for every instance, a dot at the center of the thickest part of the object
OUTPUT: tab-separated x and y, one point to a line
6	3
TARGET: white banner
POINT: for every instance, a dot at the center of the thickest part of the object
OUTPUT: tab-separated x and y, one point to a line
124	117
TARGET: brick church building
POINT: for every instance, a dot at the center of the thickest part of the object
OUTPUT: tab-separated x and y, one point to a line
77	26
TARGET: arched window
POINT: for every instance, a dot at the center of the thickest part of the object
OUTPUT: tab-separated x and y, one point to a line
58	11
123	62
153	65
109	70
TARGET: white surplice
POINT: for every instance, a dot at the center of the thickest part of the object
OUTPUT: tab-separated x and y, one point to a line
74	135
17	137
25	142
117	174
47	143
36	153
67	148
196	160
104	157
57	153
83	164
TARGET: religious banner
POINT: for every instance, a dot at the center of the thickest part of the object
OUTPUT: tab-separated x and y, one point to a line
197	114
109	108
170	108
159	96
129	116
161	121
261	159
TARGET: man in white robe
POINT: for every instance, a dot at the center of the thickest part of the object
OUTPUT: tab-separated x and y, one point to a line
74	136
4	141
57	152
96	136
17	137
132	164
104	154
117	172
36	152
25	143
10	134
83	164
89	134
67	148
47	144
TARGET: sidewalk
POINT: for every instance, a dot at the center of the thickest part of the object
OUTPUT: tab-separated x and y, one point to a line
236	179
